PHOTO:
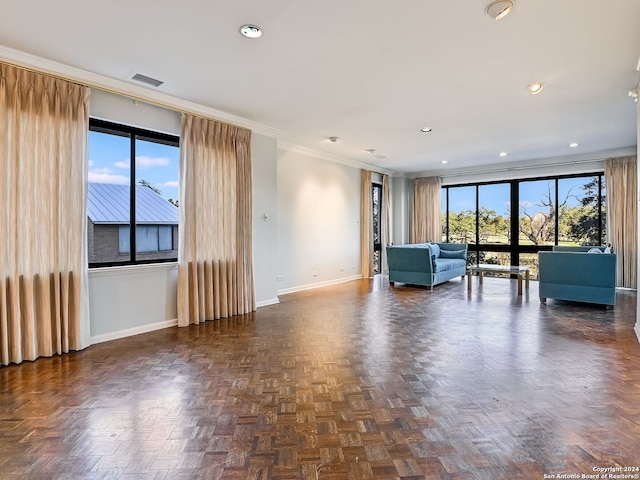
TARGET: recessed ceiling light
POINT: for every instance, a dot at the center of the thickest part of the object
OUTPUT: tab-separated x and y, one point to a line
535	88
503	154
251	31
574	145
334	139
425	129
444	162
499	9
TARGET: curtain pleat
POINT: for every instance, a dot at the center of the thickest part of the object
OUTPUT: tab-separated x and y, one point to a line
215	274
427	210
621	176
366	233
43	258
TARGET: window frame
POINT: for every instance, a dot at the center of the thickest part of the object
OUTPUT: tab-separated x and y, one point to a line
134	134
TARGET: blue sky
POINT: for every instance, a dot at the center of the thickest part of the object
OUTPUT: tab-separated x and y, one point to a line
496	196
109	162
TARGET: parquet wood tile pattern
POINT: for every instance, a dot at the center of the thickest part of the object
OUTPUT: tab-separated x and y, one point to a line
355	381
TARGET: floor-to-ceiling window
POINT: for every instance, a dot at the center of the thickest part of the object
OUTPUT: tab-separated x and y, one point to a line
377	227
508	222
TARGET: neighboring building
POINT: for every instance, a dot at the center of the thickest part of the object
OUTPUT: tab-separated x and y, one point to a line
109	227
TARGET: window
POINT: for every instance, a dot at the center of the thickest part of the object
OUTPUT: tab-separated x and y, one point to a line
567	210
153	238
537	209
122	193
462	215
377	232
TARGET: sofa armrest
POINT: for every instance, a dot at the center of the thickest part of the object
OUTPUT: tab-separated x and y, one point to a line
409	258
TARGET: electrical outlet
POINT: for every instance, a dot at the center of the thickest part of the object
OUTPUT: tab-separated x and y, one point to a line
314	273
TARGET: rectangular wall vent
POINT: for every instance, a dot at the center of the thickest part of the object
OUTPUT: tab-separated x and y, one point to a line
147	80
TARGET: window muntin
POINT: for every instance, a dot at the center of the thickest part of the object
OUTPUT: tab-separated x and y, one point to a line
120	190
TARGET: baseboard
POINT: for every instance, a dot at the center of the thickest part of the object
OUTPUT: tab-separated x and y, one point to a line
637	330
311	286
106	337
265	303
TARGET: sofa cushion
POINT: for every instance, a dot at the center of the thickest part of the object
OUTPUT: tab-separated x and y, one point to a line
445	264
453	254
435	249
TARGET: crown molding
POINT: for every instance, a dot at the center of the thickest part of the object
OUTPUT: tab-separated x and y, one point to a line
312	152
120	87
532	164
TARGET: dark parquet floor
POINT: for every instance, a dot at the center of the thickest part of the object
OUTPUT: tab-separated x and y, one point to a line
354	381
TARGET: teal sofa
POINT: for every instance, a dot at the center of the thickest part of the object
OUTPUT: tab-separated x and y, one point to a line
572	273
426	264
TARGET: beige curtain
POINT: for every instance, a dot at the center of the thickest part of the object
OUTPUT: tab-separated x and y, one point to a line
366	233
43	260
386	222
621	175
427	210
215	273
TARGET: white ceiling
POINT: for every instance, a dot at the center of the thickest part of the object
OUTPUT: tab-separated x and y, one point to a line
372	72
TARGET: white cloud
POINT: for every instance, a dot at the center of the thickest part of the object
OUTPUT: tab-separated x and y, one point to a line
527	204
149	162
144	162
104	177
169	184
101	170
91	163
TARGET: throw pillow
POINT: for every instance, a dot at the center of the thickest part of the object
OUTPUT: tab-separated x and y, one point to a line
452	254
607	250
435	249
595	250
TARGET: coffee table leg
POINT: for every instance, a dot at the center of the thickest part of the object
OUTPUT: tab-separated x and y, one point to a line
480	278
519	284
469	280
526	277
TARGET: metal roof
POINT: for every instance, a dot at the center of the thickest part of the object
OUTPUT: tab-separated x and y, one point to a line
109	204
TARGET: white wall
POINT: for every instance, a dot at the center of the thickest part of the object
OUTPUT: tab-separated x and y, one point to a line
119	109
125	301
318	221
264	151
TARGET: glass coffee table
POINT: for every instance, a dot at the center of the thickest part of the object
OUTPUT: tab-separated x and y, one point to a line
483	268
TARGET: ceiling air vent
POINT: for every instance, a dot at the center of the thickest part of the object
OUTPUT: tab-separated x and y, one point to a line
147	80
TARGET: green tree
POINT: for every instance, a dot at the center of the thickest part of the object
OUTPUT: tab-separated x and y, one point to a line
462	227
492	225
584	226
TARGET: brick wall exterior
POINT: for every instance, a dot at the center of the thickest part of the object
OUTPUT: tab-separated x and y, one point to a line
104	245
